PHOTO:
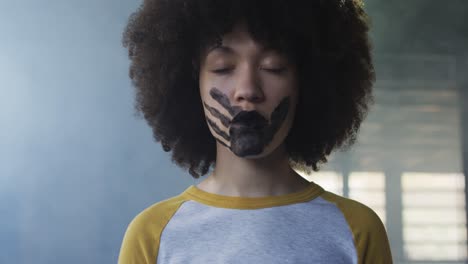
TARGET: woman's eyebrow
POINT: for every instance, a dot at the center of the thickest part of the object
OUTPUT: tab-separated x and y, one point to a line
222	49
226	50
270	50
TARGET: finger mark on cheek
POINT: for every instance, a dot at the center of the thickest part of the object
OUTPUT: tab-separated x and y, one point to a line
280	113
223	100
216	113
217	130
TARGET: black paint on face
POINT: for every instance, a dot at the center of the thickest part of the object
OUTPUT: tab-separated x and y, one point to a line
224	119
224	101
249	131
218	130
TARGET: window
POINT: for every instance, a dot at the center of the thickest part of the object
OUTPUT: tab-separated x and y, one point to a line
369	189
434	220
329	180
365	187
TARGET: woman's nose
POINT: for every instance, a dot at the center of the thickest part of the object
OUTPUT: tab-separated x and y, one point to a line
248	87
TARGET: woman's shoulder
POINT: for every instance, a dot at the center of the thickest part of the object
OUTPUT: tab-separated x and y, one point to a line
142	236
368	230
157	214
352	209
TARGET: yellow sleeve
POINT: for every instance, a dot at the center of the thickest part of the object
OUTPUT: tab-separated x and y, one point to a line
370	237
140	244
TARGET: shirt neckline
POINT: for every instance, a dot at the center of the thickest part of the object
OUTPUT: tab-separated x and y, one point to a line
238	202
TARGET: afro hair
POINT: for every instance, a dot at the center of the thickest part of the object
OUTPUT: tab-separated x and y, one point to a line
326	39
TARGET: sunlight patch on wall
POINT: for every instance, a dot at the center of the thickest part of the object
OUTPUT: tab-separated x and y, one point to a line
434	218
369	189
329	180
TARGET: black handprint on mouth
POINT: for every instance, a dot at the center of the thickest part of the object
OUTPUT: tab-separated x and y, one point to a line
249	131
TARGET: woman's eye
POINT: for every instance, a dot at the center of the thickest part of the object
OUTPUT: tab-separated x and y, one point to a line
275	70
222	70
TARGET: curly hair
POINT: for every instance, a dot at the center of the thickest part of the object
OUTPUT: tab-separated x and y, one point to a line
326	39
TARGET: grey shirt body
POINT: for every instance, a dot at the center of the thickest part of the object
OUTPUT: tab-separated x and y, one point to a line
309	226
308	232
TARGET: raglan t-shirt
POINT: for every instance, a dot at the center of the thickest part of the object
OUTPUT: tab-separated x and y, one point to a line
308	226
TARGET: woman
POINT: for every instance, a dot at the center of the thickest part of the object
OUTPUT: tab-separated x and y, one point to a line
253	89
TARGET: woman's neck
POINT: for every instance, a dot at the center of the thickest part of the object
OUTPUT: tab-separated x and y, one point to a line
267	176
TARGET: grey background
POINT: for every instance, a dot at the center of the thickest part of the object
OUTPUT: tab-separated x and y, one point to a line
75	163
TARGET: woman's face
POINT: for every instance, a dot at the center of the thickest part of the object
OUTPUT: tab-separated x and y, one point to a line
249	94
